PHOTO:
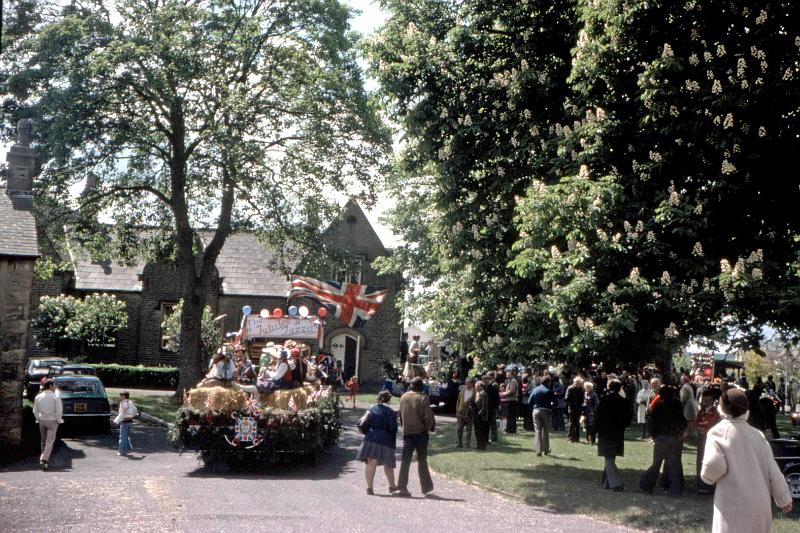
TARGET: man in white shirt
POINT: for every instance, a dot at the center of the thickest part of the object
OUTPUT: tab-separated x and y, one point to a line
127	412
47	410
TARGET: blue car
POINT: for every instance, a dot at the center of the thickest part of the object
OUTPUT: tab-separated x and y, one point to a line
84	398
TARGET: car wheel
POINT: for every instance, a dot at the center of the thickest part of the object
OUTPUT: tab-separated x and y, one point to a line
793	480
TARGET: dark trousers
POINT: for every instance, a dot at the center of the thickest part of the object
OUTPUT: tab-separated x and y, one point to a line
558	419
574	434
702	486
511	420
415	442
667	449
493	425
527	417
463	421
481	432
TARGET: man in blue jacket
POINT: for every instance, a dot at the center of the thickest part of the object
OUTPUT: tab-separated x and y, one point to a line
542	400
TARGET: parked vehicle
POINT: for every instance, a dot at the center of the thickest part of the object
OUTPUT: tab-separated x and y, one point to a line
81	370
38	369
84	398
787	455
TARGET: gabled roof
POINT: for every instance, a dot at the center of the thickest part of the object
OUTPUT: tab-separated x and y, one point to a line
17	226
246	265
247	268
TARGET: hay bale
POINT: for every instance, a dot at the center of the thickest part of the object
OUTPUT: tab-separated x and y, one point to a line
216	399
279	399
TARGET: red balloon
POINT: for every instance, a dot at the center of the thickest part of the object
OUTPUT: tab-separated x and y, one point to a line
322	313
277	312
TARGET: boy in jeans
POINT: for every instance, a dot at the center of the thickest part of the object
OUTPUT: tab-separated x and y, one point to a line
127	412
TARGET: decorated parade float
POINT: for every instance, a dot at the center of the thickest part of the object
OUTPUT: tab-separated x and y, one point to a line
232	421
286	410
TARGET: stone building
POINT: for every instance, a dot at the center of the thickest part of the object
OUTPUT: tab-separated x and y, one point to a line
246	276
18	252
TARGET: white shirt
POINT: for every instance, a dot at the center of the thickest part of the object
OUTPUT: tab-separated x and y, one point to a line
221	371
127	411
47	407
283	367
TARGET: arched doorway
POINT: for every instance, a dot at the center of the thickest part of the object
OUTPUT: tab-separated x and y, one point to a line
344	348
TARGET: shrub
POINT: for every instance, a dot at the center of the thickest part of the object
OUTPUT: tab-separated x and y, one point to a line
64	322
138	377
209	331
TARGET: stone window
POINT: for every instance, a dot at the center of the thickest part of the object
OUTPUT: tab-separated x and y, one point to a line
355	275
167	308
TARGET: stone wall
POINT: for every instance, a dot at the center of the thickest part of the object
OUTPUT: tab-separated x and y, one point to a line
16	279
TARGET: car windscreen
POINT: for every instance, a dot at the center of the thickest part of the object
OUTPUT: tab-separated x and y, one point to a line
69	388
44	363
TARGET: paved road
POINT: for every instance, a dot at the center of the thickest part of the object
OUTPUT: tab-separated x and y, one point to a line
89	488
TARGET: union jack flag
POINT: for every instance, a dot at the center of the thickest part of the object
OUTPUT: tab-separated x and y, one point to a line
351	303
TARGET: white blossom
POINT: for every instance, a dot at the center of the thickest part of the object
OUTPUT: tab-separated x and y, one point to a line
673	110
757	274
738	269
757	53
467	121
527	114
601	234
655	156
477	254
601	114
651	236
666	279
694	60
710	74
697	250
583	173
762	17
756	257
745	85
672	331
444	114
797	41
764	66
639	226
501	171
634	276
555	253
707	56
698	210
476	232
741	66
721	50
444	152
728	167
611	289
788	74
667	51
728	121
724	266
762	131
523	65
716	87
717	120
692	86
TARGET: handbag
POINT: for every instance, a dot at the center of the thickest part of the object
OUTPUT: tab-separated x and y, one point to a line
363	423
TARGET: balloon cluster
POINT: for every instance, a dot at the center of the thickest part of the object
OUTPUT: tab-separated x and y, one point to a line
278	312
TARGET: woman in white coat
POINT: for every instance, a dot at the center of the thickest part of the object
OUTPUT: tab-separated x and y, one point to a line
739	460
642	399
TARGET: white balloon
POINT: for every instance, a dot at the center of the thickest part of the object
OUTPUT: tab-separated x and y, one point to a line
264	313
303	311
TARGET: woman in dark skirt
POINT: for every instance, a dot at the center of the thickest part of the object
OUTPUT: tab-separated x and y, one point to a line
380	441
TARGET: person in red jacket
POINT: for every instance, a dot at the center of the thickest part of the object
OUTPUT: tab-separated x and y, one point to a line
352	387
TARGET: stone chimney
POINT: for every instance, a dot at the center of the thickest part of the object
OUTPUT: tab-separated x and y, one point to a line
22	162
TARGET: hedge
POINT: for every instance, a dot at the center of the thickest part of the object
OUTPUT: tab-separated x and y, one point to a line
138	377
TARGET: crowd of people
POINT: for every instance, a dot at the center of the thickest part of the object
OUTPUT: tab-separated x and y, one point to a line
727	419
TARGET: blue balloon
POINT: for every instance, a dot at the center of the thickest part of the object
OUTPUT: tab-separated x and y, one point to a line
246	310
292	310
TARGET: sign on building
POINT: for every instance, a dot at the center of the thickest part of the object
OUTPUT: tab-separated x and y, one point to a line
282	328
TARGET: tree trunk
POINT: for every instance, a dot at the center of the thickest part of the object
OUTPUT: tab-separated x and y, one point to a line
191	365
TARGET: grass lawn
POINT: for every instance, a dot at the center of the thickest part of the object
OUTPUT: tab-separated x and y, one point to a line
163	407
568	481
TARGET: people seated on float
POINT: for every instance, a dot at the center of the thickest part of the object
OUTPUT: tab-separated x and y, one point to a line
221	370
297	366
244	371
276	376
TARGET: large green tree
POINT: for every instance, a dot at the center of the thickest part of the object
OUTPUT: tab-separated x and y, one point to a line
478	88
180	115
681	220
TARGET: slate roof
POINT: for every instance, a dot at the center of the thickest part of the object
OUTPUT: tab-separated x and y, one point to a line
17	226
107	276
244	264
246	267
